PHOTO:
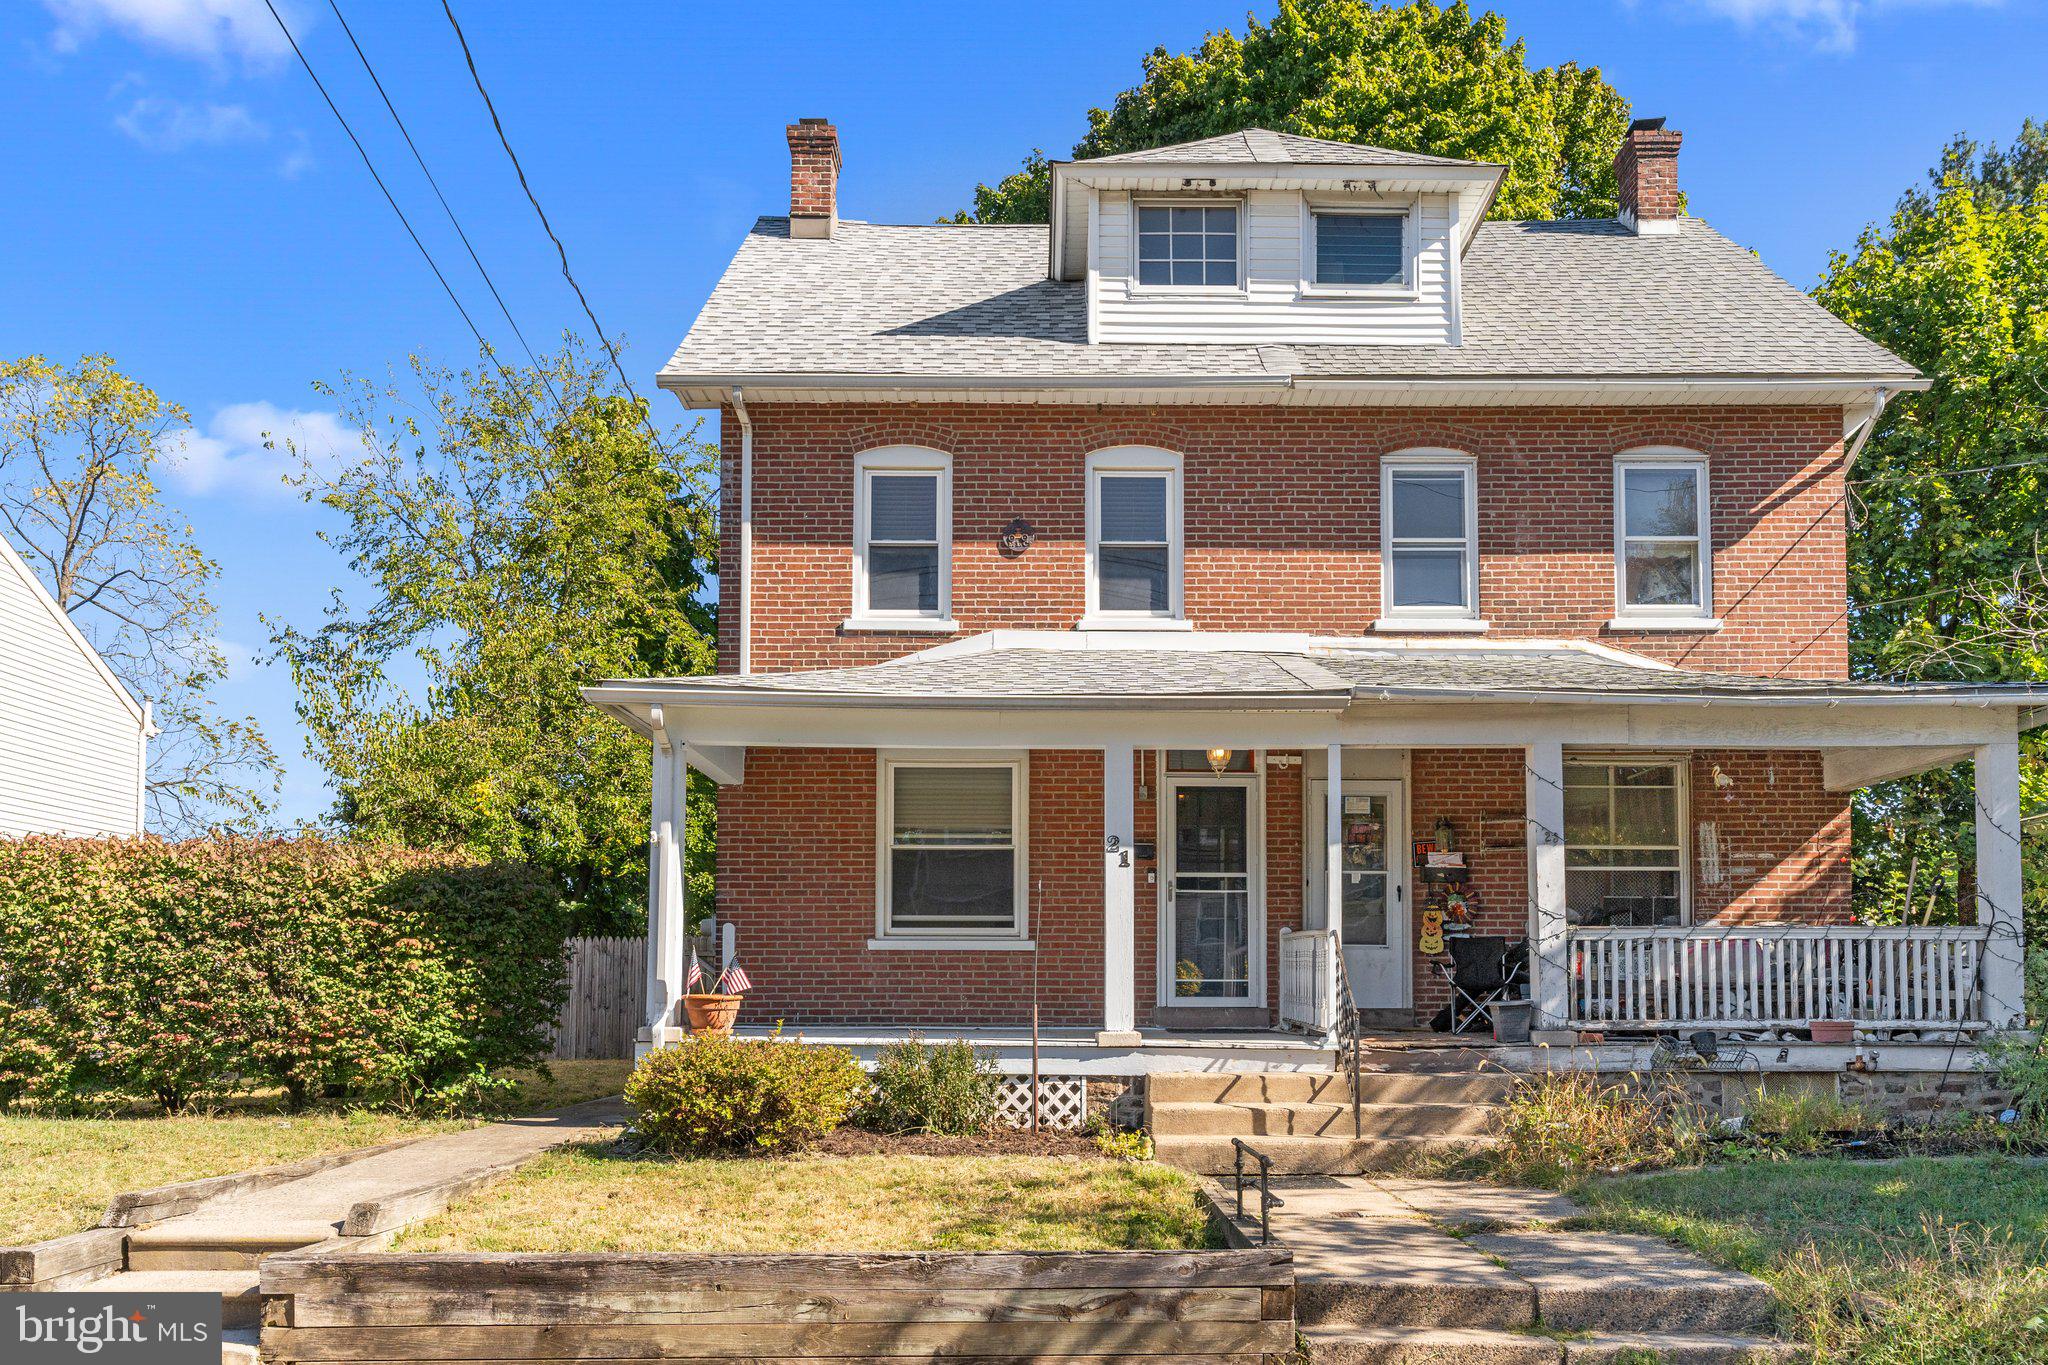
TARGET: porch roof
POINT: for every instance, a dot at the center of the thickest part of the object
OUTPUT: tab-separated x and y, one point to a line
1057	670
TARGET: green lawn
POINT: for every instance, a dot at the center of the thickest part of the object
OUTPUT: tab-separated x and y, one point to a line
57	1174
1880	1263
586	1199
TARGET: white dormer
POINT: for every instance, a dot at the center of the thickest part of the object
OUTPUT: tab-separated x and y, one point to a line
1263	237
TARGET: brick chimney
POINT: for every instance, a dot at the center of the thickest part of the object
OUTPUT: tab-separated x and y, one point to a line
813	178
1647	169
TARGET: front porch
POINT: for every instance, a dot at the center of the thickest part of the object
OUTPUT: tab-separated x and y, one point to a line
1164	868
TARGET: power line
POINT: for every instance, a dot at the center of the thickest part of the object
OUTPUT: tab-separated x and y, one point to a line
371	167
547	227
446	208
1946	473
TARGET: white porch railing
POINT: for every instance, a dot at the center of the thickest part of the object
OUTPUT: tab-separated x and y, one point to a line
1308	980
1770	976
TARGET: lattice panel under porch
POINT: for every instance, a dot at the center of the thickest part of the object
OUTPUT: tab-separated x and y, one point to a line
1062	1102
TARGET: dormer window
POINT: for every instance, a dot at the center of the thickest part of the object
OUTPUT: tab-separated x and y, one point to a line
1358	250
1188	245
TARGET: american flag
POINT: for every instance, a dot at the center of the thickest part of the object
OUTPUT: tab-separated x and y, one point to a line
734	979
696	976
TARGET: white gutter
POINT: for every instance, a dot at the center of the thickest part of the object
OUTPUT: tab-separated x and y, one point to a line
746	615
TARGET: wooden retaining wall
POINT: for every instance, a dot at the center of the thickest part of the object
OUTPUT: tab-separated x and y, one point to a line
607	992
1191	1307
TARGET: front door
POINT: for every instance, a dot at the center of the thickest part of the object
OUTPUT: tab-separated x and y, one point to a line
1374	919
1212	917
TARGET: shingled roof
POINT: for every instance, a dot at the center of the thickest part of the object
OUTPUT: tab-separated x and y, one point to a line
1579	300
1263	146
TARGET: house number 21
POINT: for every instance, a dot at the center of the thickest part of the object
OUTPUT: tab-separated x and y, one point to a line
1114	844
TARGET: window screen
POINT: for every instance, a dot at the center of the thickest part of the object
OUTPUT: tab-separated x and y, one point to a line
903	543
1133	550
1361	248
1660	536
1622	833
1187	245
952	851
1429	541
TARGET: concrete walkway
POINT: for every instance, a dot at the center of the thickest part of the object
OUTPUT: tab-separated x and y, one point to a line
1393	1270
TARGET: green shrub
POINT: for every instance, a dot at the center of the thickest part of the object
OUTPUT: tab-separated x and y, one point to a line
140	967
940	1088
709	1095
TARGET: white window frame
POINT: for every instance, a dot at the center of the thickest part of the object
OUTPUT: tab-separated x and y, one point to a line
1136	460
1017	938
1682	794
901	460
1699	616
1430	460
1408	288
1213	201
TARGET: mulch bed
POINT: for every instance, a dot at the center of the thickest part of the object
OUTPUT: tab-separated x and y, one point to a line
1002	1142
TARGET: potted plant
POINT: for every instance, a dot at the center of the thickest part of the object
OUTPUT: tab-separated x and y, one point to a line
714	1011
1831	1030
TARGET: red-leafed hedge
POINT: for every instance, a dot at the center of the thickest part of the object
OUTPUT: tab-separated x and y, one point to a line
183	970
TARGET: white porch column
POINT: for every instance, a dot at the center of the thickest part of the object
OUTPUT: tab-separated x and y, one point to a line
1543	786
1998	880
665	911
1333	867
1119	898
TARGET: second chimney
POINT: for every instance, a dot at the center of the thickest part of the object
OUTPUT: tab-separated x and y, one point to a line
813	178
1646	168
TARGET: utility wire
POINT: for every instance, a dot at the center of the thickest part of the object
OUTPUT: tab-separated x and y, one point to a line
1921	476
371	167
446	208
547	227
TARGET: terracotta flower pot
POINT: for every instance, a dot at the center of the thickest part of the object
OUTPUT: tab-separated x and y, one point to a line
712	1013
1831	1030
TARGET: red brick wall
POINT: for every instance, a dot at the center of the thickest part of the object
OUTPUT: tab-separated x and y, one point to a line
1282	520
796	876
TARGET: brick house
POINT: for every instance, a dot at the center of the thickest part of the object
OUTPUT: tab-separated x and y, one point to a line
1119	615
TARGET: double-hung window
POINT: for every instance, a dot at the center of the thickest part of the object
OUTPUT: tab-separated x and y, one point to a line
903	533
1363	250
1662	551
952	850
1134	535
1624	826
1188	245
1429	543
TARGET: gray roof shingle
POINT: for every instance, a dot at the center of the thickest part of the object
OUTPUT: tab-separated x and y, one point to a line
1263	146
1568	299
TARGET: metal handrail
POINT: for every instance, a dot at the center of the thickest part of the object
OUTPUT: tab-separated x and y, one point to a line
1268	1201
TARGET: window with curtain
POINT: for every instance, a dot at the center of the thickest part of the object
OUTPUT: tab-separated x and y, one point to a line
1624	827
1430	554
1193	245
1134	546
1361	248
952	850
1661	540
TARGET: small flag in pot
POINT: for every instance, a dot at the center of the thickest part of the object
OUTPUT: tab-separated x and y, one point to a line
734	980
696	976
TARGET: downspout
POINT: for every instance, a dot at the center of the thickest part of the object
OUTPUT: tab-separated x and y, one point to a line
142	739
739	408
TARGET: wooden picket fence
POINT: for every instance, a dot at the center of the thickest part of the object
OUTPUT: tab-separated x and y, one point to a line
607	990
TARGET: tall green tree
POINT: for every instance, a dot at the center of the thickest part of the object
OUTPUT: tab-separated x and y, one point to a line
522	534
1415	77
1951	492
80	449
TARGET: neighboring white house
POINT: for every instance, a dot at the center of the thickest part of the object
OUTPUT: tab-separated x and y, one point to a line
74	745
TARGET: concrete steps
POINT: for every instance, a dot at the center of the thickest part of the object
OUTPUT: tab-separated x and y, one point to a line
1345	1155
1328	1087
1479	1346
240	1304
210	1244
1314	1119
1303	1120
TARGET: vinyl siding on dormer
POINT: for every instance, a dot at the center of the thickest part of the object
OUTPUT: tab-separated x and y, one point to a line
1271	307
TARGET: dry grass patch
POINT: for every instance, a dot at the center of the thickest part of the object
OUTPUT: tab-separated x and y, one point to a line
591	1199
58	1173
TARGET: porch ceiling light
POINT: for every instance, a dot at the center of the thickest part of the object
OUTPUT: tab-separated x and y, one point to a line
1219	759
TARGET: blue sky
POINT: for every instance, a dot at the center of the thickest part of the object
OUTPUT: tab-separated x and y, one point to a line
180	198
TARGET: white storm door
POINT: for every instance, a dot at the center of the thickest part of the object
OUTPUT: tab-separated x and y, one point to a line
1373	921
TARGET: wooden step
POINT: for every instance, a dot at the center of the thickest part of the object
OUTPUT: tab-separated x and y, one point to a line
1211	1155
1304	1119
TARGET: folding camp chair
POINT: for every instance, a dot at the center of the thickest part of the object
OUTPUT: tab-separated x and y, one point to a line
1484	968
